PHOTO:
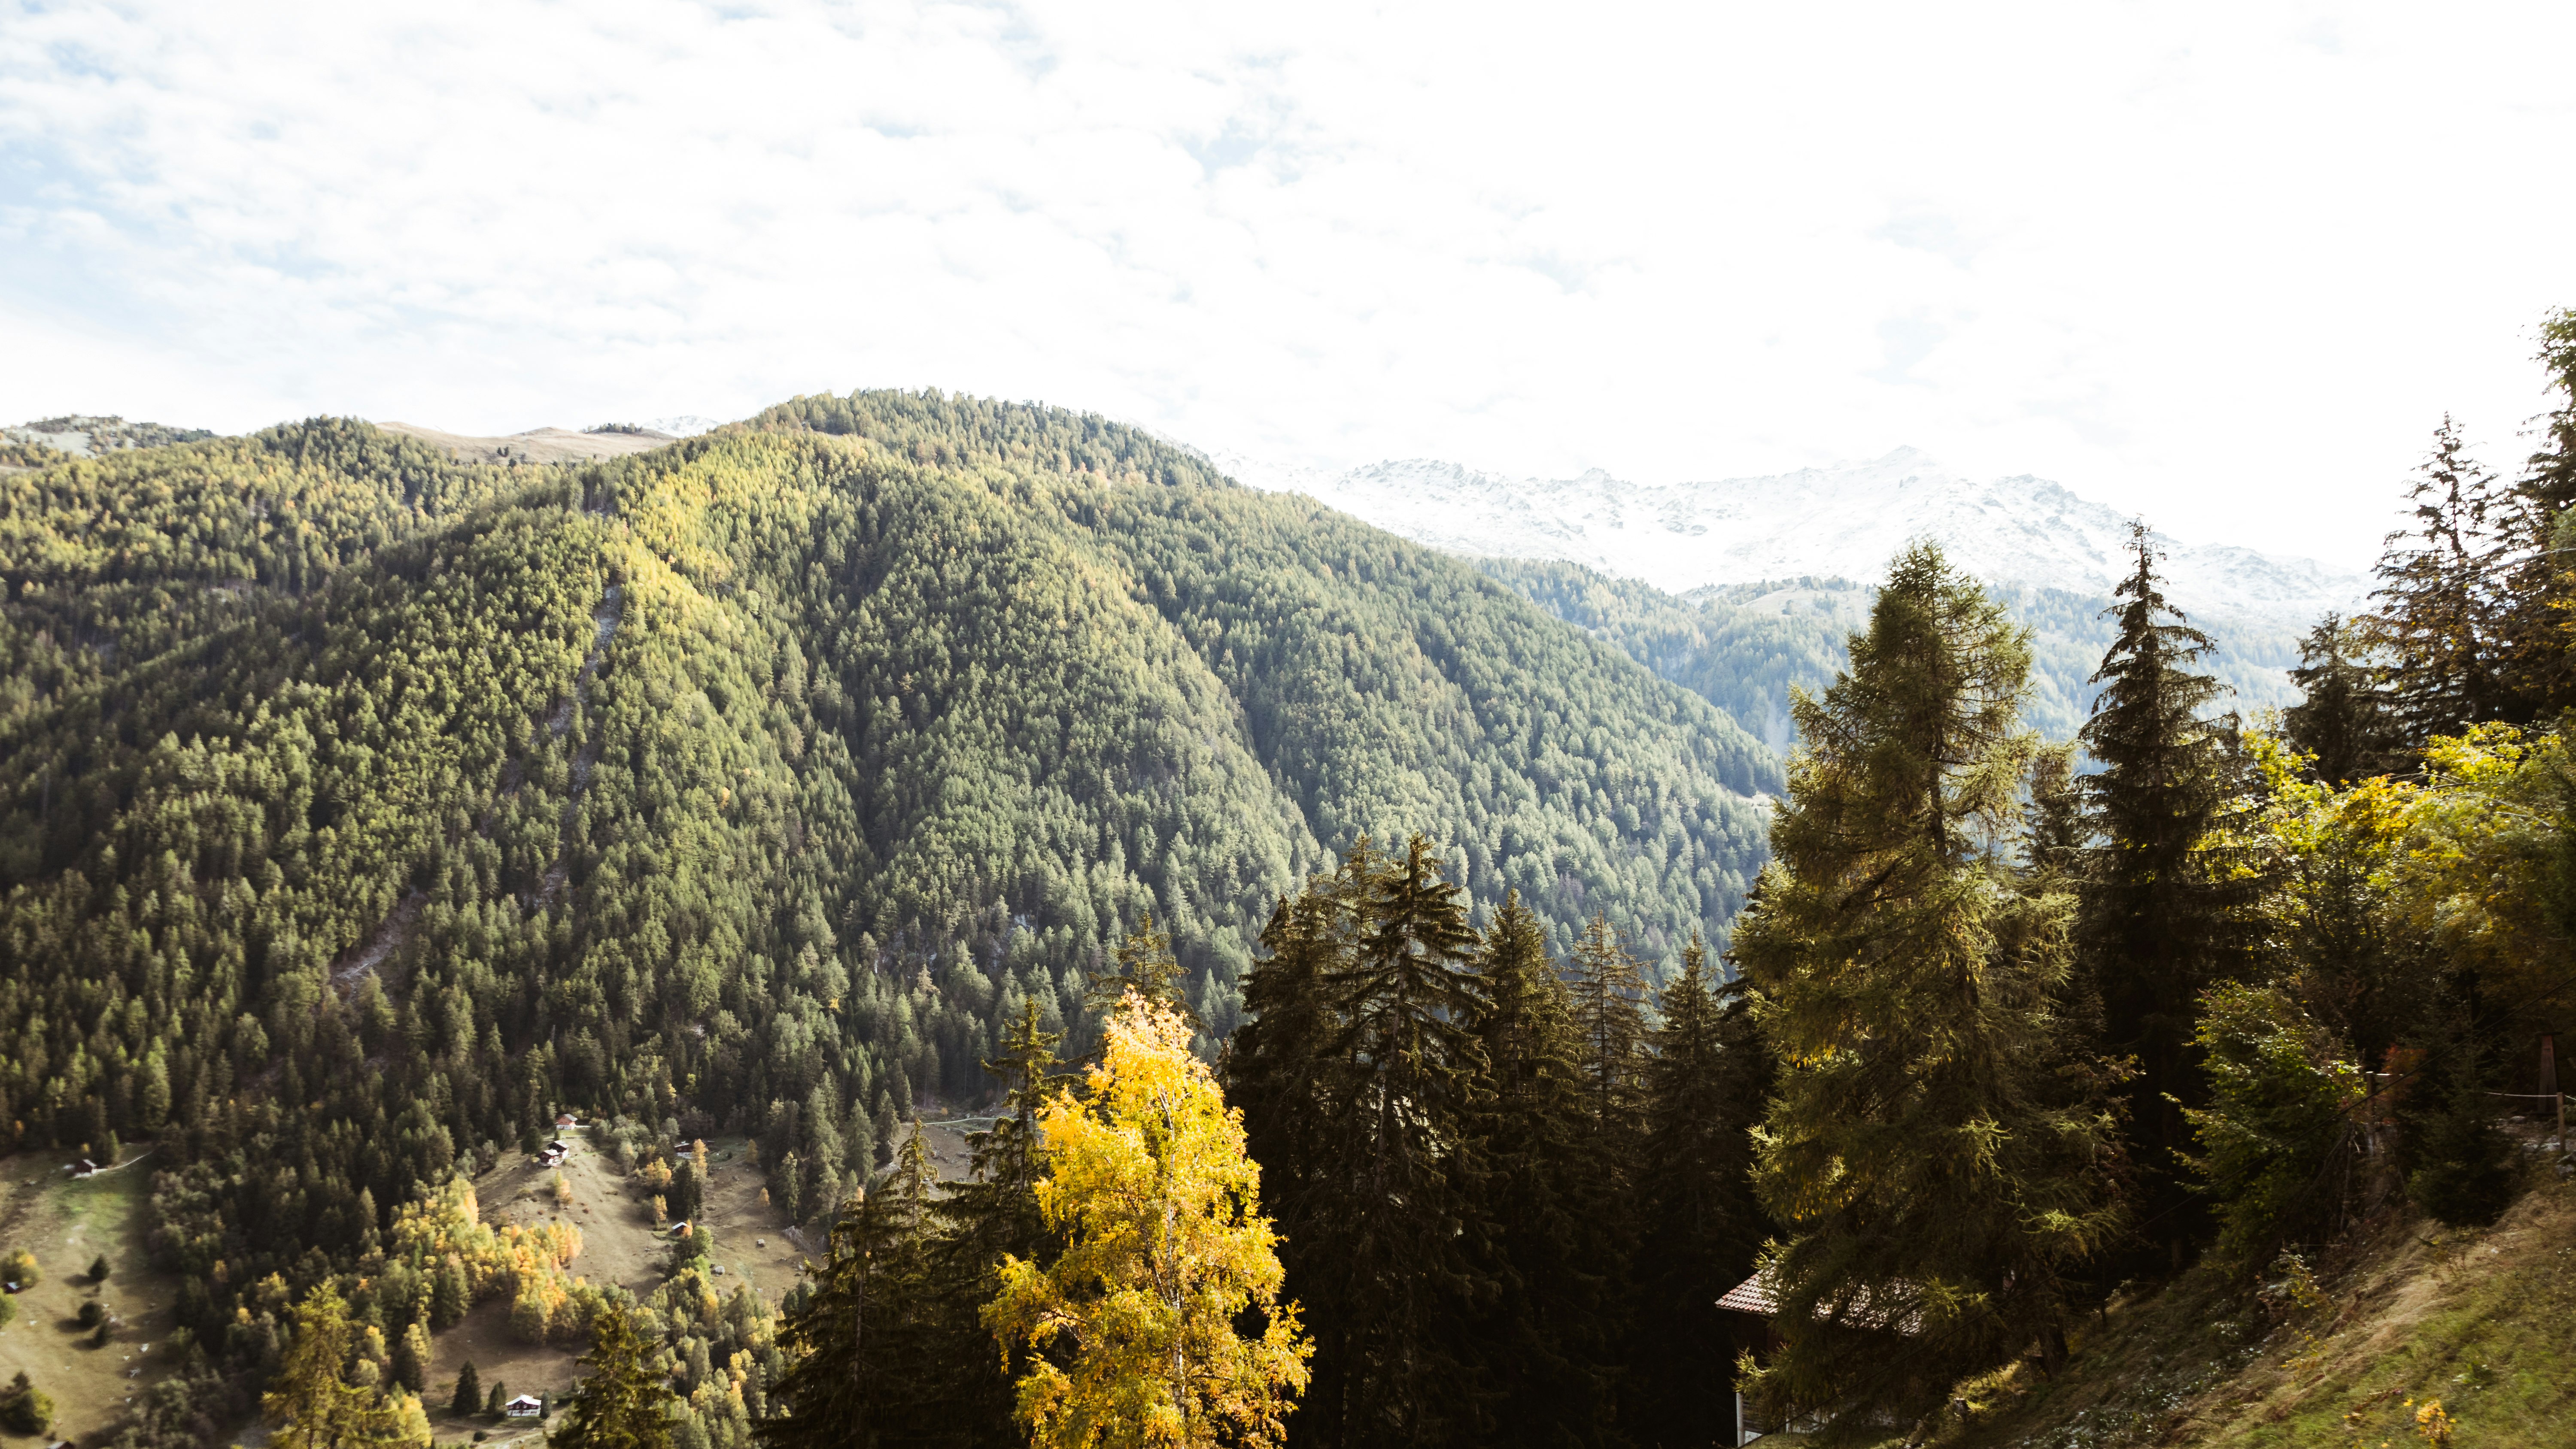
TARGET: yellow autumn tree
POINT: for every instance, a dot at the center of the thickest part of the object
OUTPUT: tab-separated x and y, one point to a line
1165	1245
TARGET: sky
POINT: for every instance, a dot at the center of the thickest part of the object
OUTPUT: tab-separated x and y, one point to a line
2227	265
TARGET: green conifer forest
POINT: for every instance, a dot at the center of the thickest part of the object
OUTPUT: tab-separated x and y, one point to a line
1493	997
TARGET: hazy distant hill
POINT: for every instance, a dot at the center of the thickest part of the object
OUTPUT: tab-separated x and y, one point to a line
1701	562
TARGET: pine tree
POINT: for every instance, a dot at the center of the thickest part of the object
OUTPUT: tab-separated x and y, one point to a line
1932	1153
2342	723
308	1400
2165	910
1165	1253
1550	1345
625	1398
469	1392
2439	615
1699	1223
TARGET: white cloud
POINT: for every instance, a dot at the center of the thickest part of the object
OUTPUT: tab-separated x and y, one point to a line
2226	264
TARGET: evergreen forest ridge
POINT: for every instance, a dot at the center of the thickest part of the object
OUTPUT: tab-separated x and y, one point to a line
1396	994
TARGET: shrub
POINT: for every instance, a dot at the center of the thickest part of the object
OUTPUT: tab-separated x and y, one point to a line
2281	1099
19	1267
98	1269
91	1313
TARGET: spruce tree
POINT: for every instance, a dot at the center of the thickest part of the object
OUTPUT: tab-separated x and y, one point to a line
2538	670
625	1398
308	1400
1699	1224
2342	722
1362	1089
1146	966
1550	1345
872	1349
2439	619
1609	1003
2165	910
1281	1070
1933	1153
469	1392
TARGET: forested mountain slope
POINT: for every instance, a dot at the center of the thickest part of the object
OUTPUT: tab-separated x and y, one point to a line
359	807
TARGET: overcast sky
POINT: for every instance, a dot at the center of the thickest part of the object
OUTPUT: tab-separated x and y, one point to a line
2227	264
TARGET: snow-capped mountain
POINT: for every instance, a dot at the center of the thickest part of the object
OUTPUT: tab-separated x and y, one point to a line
1843	521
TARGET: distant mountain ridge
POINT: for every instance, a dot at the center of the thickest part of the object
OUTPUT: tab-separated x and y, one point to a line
1841	521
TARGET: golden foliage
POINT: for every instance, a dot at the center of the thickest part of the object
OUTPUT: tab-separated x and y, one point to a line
1165	1246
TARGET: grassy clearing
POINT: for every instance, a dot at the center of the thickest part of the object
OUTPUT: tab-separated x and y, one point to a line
2410	1314
67	1224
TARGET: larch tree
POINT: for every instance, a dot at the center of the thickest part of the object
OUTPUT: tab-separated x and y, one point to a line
2166	906
1935	1155
1165	1251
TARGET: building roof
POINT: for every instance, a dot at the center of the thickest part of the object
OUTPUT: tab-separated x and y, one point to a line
1754	1295
1750	1296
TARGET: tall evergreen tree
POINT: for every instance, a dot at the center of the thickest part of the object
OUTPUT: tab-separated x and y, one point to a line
311	1403
1551	1343
1609	1003
2342	723
2539	581
1362	1086
469	1392
2164	910
1934	1154
625	1398
1282	1071
1405	1239
1699	1223
873	1347
2439	616
1145	965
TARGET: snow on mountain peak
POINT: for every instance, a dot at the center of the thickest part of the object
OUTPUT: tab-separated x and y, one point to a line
1845	520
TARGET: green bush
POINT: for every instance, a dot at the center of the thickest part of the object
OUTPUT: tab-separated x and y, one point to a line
2281	1099
19	1267
91	1313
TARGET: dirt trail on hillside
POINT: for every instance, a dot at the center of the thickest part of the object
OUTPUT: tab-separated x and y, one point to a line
537	445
